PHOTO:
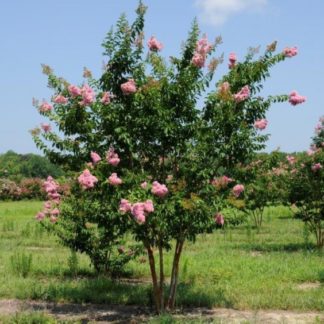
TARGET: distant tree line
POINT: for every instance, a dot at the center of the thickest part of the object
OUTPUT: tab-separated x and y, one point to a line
14	166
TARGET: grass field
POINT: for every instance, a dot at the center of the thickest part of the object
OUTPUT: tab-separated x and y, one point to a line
278	268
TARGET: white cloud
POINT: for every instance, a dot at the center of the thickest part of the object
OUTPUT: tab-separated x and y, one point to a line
216	12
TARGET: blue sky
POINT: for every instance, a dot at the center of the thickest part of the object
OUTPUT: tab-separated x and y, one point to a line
66	34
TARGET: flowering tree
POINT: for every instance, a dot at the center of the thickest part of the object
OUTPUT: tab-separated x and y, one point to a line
154	152
306	186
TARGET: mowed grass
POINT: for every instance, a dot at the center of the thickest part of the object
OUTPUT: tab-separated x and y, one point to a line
238	268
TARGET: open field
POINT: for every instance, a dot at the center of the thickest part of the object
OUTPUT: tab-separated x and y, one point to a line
278	268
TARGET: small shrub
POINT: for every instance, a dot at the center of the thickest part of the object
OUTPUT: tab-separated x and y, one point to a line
32	188
9	190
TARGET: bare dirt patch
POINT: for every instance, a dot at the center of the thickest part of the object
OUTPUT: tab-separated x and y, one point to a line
309	285
136	314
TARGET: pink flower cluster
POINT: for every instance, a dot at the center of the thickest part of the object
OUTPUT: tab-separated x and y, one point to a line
154	44
112	157
87	180
232	60
144	185
237	190
59	99
95	157
243	94
222	182
45	106
203	47
114	180
46	127
139	210
290	51
219	219
88	95
74	91
261	124
51	187
316	167
50	207
128	87
291	159
295	98
159	189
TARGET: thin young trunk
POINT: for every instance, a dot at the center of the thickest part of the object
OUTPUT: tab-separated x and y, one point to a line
154	278
161	279
175	274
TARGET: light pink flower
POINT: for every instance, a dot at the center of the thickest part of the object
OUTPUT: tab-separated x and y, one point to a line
59	99
291	159
55	212
88	95
316	167
47	205
219	219
144	185
40	216
45	106
237	190
138	211
318	128
74	91
95	157
50	185
261	124
112	157
198	60
148	206
46	127
105	99
222	182
53	219
158	189
125	206
203	47
232	60
154	44
295	98
87	180
224	87
114	180
310	152
243	94
290	51
128	87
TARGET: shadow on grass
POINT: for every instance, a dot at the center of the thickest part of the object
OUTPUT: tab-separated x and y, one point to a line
321	276
275	247
105	291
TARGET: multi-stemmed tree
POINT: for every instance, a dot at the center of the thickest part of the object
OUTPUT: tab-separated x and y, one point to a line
154	152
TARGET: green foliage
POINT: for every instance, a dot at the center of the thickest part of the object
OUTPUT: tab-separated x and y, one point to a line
21	263
16	166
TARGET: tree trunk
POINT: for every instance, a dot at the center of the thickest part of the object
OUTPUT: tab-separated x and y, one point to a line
156	291
175	274
161	297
